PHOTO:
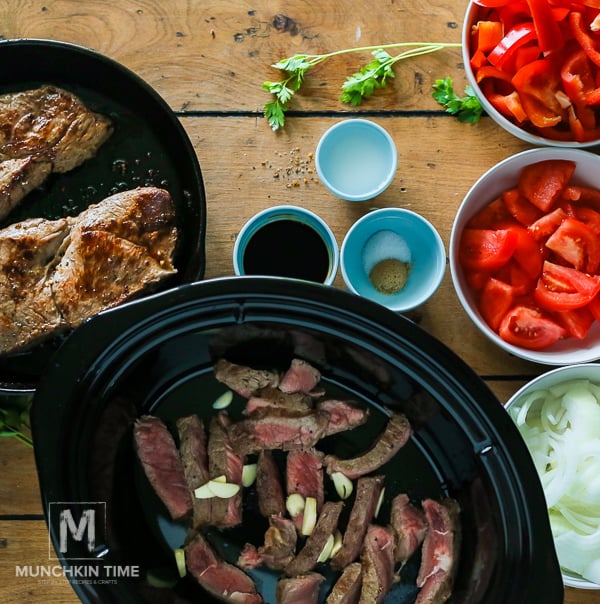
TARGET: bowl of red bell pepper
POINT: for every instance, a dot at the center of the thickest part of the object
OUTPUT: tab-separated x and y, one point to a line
535	67
525	255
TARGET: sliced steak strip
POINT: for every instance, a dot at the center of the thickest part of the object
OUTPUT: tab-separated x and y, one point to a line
160	459
299	590
409	525
273	398
52	124
300	377
222	460
192	448
304	475
343	415
377	560
439	557
347	588
271	500
18	177
222	580
395	435
277	429
368	490
246	381
306	560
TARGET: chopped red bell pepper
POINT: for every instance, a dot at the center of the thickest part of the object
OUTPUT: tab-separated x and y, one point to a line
489	34
587	43
514	39
548	33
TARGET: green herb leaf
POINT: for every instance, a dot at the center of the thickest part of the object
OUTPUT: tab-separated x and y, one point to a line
14	419
467	109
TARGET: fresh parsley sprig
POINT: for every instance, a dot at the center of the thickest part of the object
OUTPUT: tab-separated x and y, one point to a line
467	109
356	87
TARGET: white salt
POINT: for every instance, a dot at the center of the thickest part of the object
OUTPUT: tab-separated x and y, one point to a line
382	246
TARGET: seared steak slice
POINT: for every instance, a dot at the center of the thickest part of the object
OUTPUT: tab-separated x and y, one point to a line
299	590
222	580
55	274
160	459
273	398
269	489
439	557
343	415
368	490
409	525
50	124
18	177
194	456
278	550
222	460
304	475
394	437
306	559
246	381
300	377
347	588
27	310
277	429
377	560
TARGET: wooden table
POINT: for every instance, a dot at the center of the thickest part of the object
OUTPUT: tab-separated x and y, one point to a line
208	59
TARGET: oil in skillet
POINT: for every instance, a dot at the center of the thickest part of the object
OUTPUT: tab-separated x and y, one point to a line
287	248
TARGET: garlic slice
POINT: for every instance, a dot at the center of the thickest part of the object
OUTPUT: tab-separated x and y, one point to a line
180	561
248	474
379	502
310	516
294	504
223	401
224	490
337	543
326	552
343	485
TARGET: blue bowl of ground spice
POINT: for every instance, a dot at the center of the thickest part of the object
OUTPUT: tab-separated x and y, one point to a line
394	257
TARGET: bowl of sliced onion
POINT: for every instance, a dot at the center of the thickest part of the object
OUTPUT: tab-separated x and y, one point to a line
558	415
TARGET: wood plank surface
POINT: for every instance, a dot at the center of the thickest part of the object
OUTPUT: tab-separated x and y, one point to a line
208	59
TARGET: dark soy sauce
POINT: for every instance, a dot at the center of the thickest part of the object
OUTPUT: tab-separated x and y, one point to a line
287	248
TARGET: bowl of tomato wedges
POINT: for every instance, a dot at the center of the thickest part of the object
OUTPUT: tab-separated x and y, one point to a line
525	255
535	67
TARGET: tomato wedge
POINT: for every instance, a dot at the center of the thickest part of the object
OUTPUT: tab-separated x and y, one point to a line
521	209
486	249
577	321
495	301
543	182
577	244
564	288
529	328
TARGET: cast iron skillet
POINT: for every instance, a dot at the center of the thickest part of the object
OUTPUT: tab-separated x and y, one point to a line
148	147
155	356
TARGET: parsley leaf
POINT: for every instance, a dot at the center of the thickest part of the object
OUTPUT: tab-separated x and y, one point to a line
467	109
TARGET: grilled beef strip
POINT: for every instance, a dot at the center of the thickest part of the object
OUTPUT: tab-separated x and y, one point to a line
222	580
306	559
222	460
278	550
300	377
368	490
18	177
160	459
273	398
50	124
277	429
409	525
395	435
347	588
377	560
194	456
304	475
246	381
439	557
269	490
55	274
343	415
303	589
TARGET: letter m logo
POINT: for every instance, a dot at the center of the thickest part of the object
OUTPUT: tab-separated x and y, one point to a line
76	528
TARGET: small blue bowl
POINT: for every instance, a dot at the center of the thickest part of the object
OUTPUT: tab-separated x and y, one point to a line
400	234
356	159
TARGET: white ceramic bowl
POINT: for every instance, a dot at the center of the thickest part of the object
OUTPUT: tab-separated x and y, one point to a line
400	234
549	379
356	159
511	127
502	176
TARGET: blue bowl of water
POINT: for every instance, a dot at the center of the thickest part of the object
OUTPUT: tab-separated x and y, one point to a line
386	239
356	159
